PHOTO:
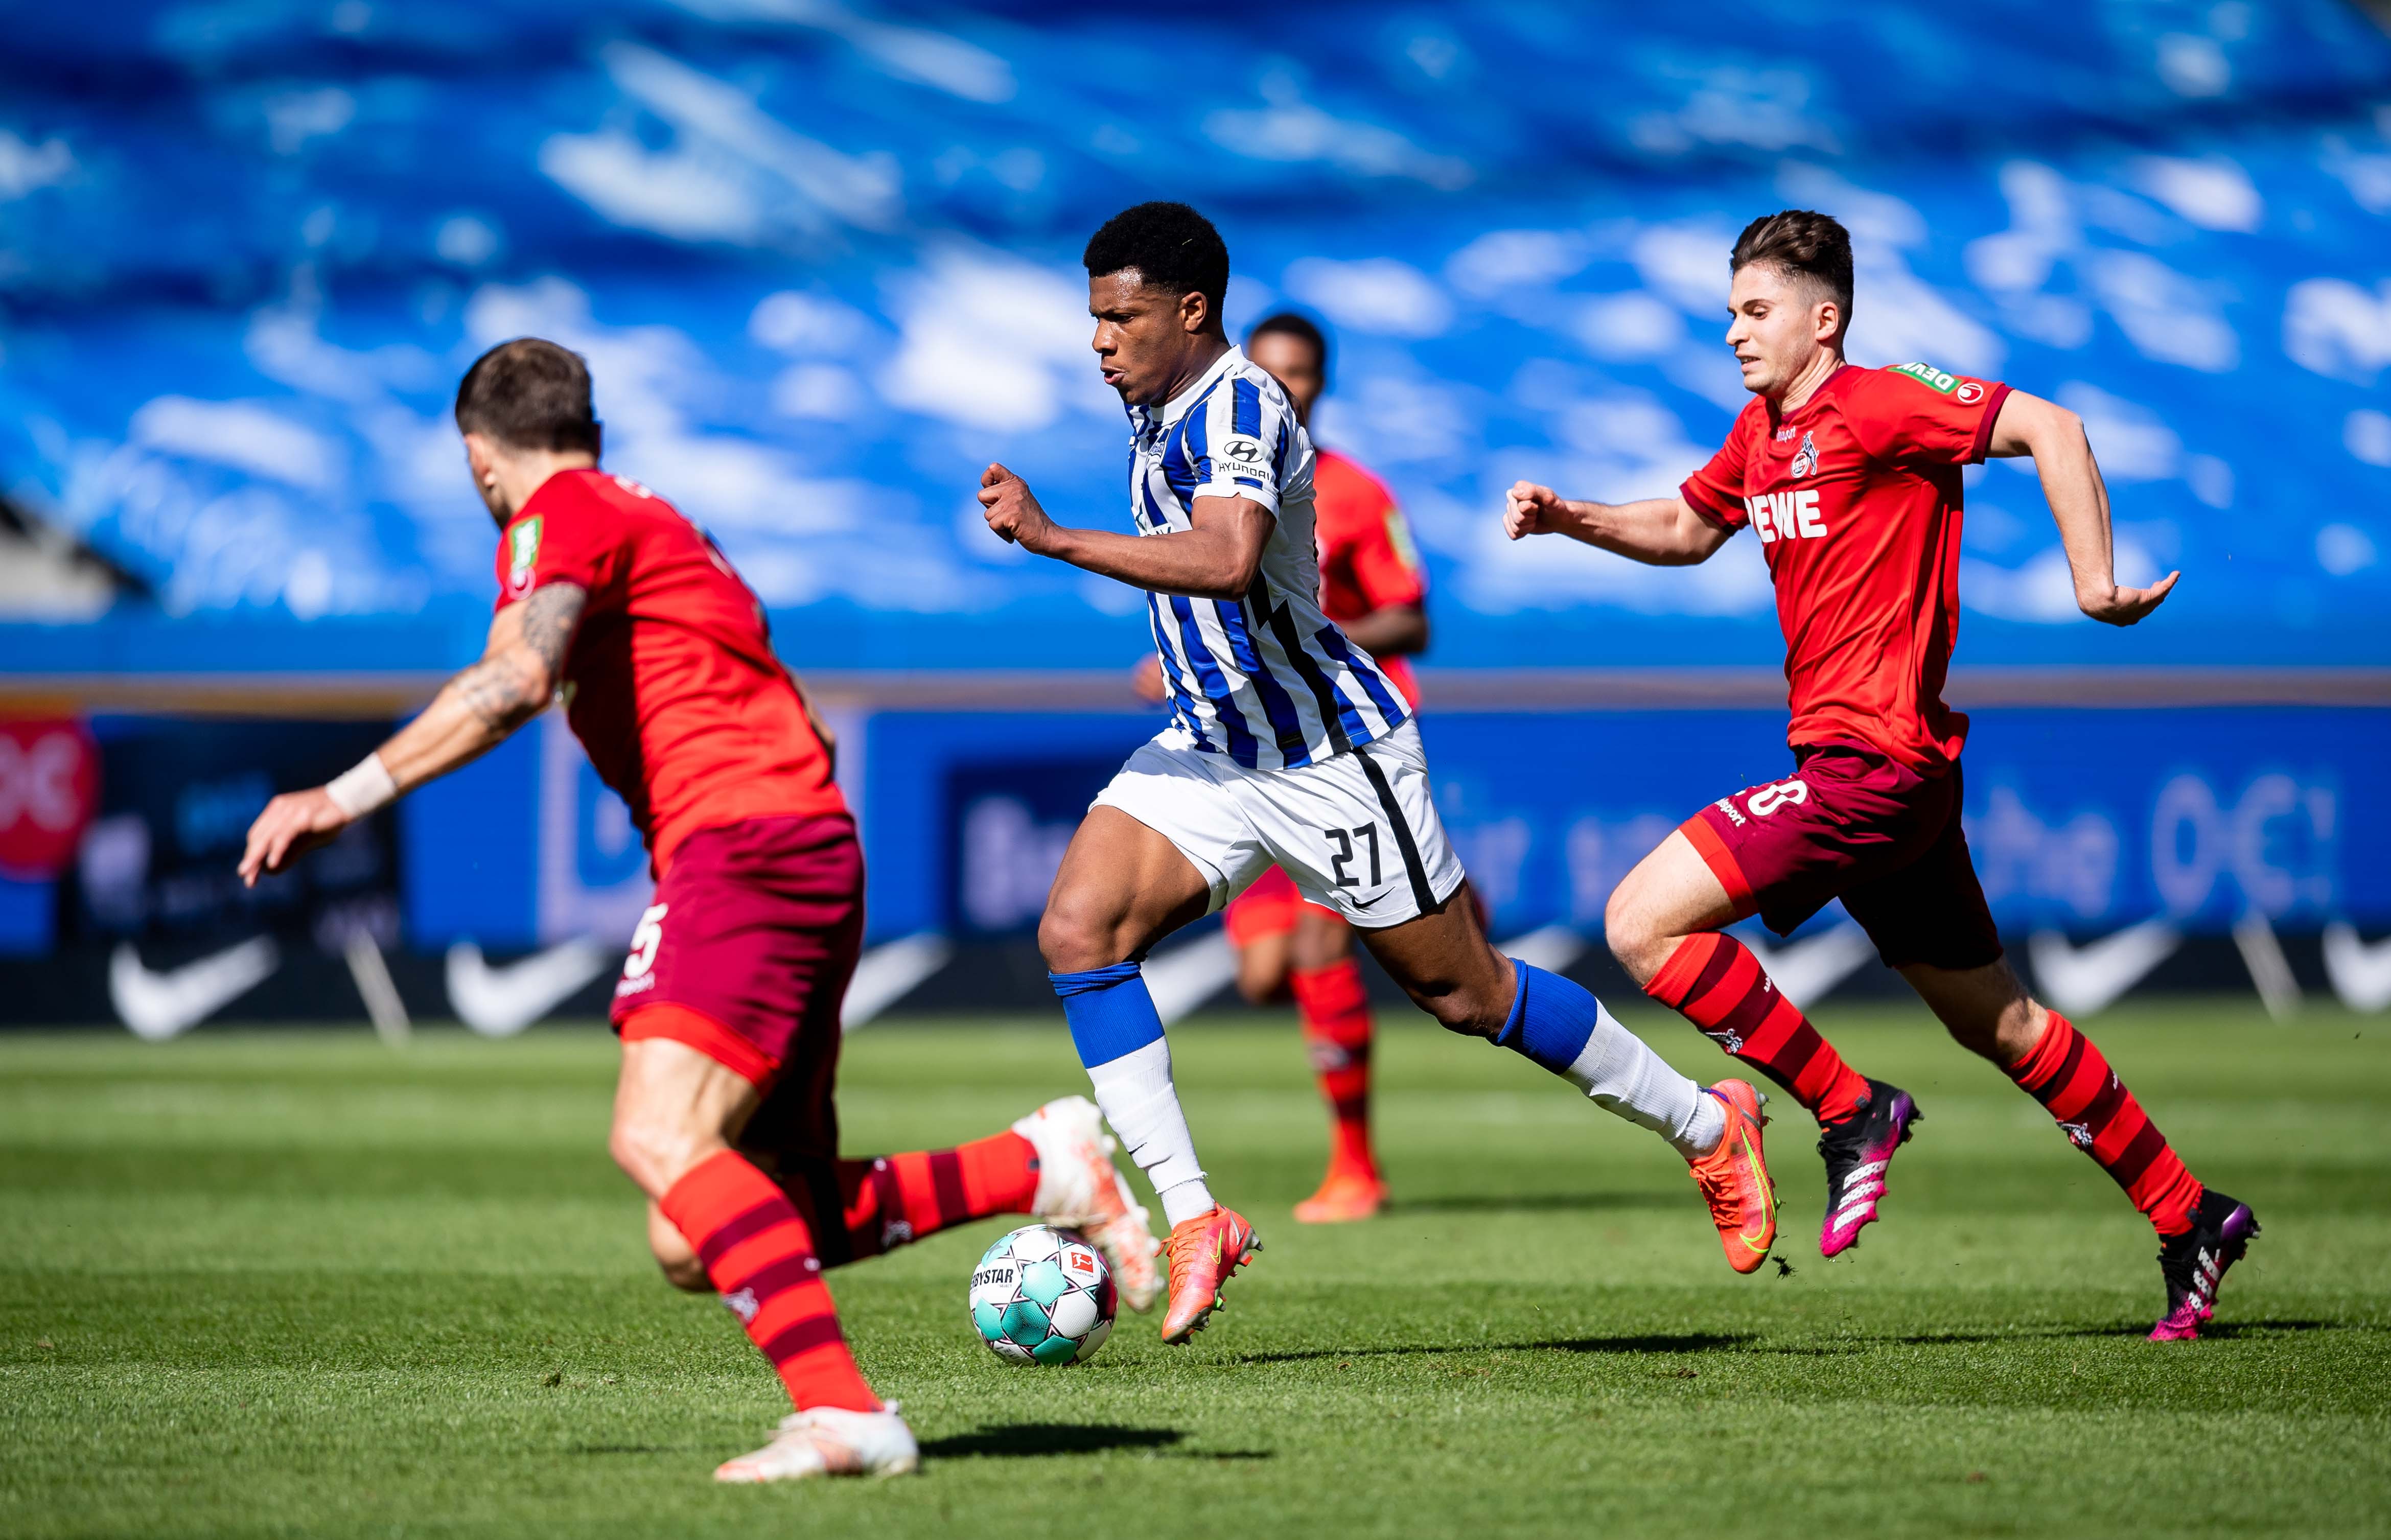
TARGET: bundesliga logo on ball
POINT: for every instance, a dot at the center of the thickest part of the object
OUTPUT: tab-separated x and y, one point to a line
1042	1295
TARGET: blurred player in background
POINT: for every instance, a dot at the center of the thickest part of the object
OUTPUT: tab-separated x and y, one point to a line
1851	479
729	1003
1288	747
1373	586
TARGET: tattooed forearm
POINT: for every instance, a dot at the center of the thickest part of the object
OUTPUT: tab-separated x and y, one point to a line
498	693
511	685
549	618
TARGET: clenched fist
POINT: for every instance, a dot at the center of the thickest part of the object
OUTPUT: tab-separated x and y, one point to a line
1529	509
1012	510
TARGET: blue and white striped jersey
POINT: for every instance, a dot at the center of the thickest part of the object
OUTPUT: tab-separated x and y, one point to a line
1268	680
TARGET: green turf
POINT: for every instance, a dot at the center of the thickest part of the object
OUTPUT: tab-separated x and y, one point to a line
294	1283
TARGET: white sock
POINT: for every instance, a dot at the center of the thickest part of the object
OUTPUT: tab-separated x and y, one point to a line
1135	1092
1621	1074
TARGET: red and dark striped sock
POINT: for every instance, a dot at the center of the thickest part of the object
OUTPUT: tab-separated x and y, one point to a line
760	1257
1714	982
863	1208
2072	1079
1334	1006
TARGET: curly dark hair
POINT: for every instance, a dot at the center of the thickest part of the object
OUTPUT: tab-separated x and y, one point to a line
529	393
1172	246
1799	243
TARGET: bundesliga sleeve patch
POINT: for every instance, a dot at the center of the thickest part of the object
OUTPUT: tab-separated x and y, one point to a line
523	553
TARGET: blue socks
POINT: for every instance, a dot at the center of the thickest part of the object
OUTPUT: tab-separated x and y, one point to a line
1561	1027
1109	1012
1120	1037
1552	1019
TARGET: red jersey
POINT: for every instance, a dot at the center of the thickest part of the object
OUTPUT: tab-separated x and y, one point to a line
1367	560
671	685
1855	497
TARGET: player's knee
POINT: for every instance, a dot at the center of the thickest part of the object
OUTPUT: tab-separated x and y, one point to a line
682	1269
655	1151
1633	939
1475	1007
1073	938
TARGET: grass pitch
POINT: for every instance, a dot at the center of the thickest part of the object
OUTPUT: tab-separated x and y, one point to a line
293	1283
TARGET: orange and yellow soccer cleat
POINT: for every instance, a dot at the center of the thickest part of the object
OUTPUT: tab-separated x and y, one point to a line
1734	1178
1344	1197
1204	1251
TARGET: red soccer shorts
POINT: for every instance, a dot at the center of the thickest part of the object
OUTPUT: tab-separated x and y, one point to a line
1269	908
1852	824
746	956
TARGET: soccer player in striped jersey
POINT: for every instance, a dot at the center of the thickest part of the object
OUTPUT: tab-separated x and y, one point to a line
1288	747
1850	477
729	1003
1373	586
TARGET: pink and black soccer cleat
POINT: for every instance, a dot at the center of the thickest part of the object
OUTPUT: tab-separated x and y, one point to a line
1858	1151
2194	1264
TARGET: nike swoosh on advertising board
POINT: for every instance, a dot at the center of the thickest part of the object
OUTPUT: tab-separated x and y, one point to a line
2262	953
1185	976
2361	974
2081	980
1805	971
1551	947
162	1005
500	1002
889	973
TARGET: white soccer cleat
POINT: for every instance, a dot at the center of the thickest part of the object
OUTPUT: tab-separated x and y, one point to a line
1079	1188
830	1441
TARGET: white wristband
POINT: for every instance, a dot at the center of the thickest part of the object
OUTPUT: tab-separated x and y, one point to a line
360	791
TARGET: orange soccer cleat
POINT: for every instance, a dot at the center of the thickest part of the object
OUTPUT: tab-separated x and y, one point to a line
1734	1178
1344	1197
1204	1251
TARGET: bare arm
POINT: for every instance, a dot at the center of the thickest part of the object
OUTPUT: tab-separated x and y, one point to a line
474	713
1217	559
2079	504
1390	630
1661	532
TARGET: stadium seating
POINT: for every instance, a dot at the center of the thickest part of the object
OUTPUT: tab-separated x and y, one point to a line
824	264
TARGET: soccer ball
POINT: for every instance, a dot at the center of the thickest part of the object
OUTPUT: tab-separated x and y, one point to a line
1042	1295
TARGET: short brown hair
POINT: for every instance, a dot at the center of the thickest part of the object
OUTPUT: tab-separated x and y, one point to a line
529	393
1801	244
1304	328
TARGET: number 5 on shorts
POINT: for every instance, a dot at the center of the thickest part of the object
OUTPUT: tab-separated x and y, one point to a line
645	939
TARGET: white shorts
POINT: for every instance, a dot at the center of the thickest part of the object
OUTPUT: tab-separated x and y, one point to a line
1358	832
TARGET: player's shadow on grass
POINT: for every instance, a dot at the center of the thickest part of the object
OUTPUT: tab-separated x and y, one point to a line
1019	1439
1532	1203
1852	1346
1664	1342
